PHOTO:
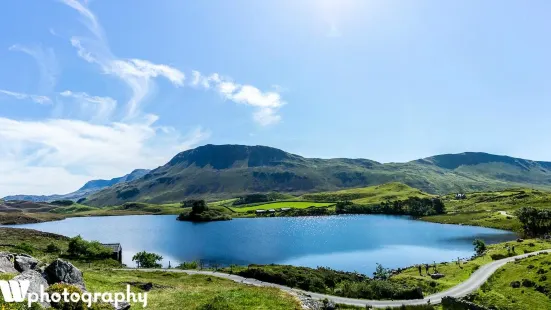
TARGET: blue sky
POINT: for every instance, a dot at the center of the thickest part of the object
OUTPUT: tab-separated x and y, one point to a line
93	89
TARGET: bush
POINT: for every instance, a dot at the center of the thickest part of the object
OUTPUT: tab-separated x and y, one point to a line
147	260
52	248
188	266
25	248
479	246
205	216
60	288
81	248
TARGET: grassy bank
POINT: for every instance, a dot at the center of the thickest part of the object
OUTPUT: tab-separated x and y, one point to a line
522	285
170	290
491	209
181	291
457	273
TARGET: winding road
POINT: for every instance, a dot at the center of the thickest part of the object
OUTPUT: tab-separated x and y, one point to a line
470	285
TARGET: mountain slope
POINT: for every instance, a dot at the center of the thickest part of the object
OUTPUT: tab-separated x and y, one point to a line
223	171
88	189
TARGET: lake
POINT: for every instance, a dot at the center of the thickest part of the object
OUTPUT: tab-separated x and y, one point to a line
344	242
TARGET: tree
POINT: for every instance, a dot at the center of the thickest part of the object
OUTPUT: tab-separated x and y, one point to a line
79	247
197	206
381	273
147	260
479	246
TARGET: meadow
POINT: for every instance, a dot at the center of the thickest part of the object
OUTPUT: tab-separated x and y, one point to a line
282	204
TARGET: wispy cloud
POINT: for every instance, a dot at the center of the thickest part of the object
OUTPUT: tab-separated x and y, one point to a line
54	149
23	96
136	73
47	63
98	108
267	103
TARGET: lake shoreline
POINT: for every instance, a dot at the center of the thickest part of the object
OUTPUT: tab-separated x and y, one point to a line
344	242
49	217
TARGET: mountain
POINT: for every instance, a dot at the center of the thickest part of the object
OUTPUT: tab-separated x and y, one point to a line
224	171
88	188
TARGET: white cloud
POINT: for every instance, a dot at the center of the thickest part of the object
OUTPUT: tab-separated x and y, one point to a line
22	96
98	108
267	103
71	152
47	63
136	73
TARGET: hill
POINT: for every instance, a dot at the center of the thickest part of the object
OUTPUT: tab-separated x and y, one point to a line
225	171
88	188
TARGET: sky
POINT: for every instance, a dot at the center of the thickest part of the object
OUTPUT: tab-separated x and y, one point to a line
94	89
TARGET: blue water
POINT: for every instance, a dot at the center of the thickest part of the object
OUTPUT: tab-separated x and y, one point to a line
352	243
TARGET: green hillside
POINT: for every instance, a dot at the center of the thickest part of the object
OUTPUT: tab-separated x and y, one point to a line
216	172
492	209
369	195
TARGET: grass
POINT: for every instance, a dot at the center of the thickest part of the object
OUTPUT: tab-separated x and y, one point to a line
497	292
455	274
181	291
369	195
486	208
282	204
172	290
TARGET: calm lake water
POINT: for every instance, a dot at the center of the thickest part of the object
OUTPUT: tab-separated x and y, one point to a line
352	243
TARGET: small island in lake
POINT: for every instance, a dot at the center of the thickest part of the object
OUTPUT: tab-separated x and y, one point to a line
198	211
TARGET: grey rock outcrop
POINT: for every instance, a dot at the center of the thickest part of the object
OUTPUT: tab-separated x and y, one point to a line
37	281
6	263
65	272
24	263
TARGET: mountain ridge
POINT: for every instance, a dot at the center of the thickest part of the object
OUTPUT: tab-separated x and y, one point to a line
225	171
87	189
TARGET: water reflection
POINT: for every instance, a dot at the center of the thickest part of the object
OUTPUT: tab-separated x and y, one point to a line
353	243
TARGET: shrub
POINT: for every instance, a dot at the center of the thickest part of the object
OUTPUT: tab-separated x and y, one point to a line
59	288
25	247
479	246
205	216
528	283
147	260
52	248
190	265
81	248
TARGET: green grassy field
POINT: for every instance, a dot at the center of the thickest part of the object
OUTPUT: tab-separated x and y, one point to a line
491	209
171	290
181	291
282	204
455	274
369	195
534	277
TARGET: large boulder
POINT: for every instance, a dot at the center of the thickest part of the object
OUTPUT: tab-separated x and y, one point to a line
61	271
6	263
25	262
37	282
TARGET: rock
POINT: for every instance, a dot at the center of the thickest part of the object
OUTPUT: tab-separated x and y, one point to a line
65	272
437	276
25	262
121	306
6	264
329	305
515	284
520	240
37	281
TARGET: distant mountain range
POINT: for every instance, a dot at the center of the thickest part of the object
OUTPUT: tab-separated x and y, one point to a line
224	171
88	189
